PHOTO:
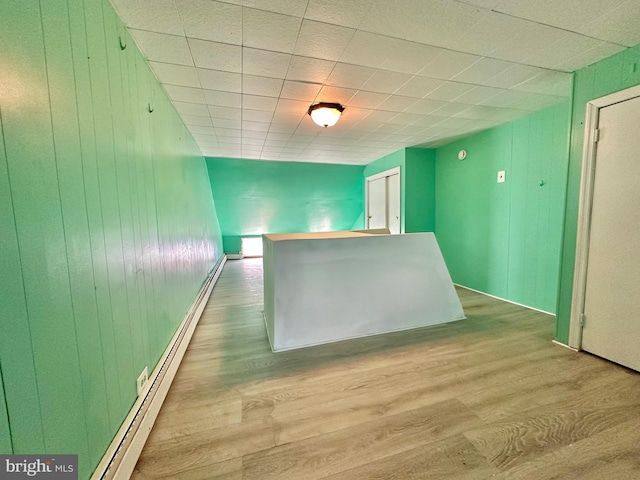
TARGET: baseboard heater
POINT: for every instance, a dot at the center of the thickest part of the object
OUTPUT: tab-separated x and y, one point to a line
122	455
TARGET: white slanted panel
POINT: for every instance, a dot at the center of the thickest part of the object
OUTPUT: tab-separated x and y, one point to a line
326	287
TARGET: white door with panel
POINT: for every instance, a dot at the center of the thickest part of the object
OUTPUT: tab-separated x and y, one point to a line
612	291
383	201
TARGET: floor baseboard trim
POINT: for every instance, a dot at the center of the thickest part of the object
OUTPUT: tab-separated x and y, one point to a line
504	299
122	455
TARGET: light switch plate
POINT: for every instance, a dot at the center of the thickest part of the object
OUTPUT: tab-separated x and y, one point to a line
501	176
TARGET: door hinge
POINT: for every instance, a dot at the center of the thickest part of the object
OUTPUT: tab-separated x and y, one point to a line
596	135
583	320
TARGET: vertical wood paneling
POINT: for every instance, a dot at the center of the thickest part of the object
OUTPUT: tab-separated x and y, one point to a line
31	160
21	389
101	88
87	176
612	74
67	149
504	239
98	280
5	434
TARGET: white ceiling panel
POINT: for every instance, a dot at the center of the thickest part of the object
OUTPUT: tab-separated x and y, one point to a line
270	31
218	80
338	12
306	69
151	15
416	72
216	55
185	94
175	74
211	20
265	63
223	99
160	47
322	40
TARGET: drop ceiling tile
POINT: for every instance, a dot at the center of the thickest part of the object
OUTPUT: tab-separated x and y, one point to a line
264	63
418	87
414	57
277	137
354	114
598	52
428	121
436	22
305	69
211	20
286	117
191	109
255	102
568	14
150	15
195	129
507	38
200	138
185	94
263	86
228	133
488	4
175	74
397	103
322	40
218	80
405	119
288	7
482	71
425	106
479	95
448	64
566	46
253	142
367	99
335	95
449	91
617	25
549	83
226	113
282	128
505	98
300	90
269	31
216	55
220	123
256	115
292	107
450	109
384	81
349	76
194	120
160	47
222	99
513	76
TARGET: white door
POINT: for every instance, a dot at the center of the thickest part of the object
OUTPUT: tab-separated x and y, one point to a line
377	203
393	203
612	292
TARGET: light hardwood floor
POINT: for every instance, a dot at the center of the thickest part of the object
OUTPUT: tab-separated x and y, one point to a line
486	397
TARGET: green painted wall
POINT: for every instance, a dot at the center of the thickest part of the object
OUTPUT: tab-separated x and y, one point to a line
420	190
107	220
417	181
5	434
610	75
255	197
504	239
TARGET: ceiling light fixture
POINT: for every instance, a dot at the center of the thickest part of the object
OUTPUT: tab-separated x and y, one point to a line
325	114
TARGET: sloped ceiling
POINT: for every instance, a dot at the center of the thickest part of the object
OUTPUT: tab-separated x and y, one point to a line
243	73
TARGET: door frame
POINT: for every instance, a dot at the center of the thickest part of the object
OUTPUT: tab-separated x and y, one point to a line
589	152
377	176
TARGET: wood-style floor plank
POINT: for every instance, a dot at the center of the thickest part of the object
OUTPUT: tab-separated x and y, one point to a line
486	397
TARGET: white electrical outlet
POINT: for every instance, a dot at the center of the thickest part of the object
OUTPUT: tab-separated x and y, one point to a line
501	176
142	380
